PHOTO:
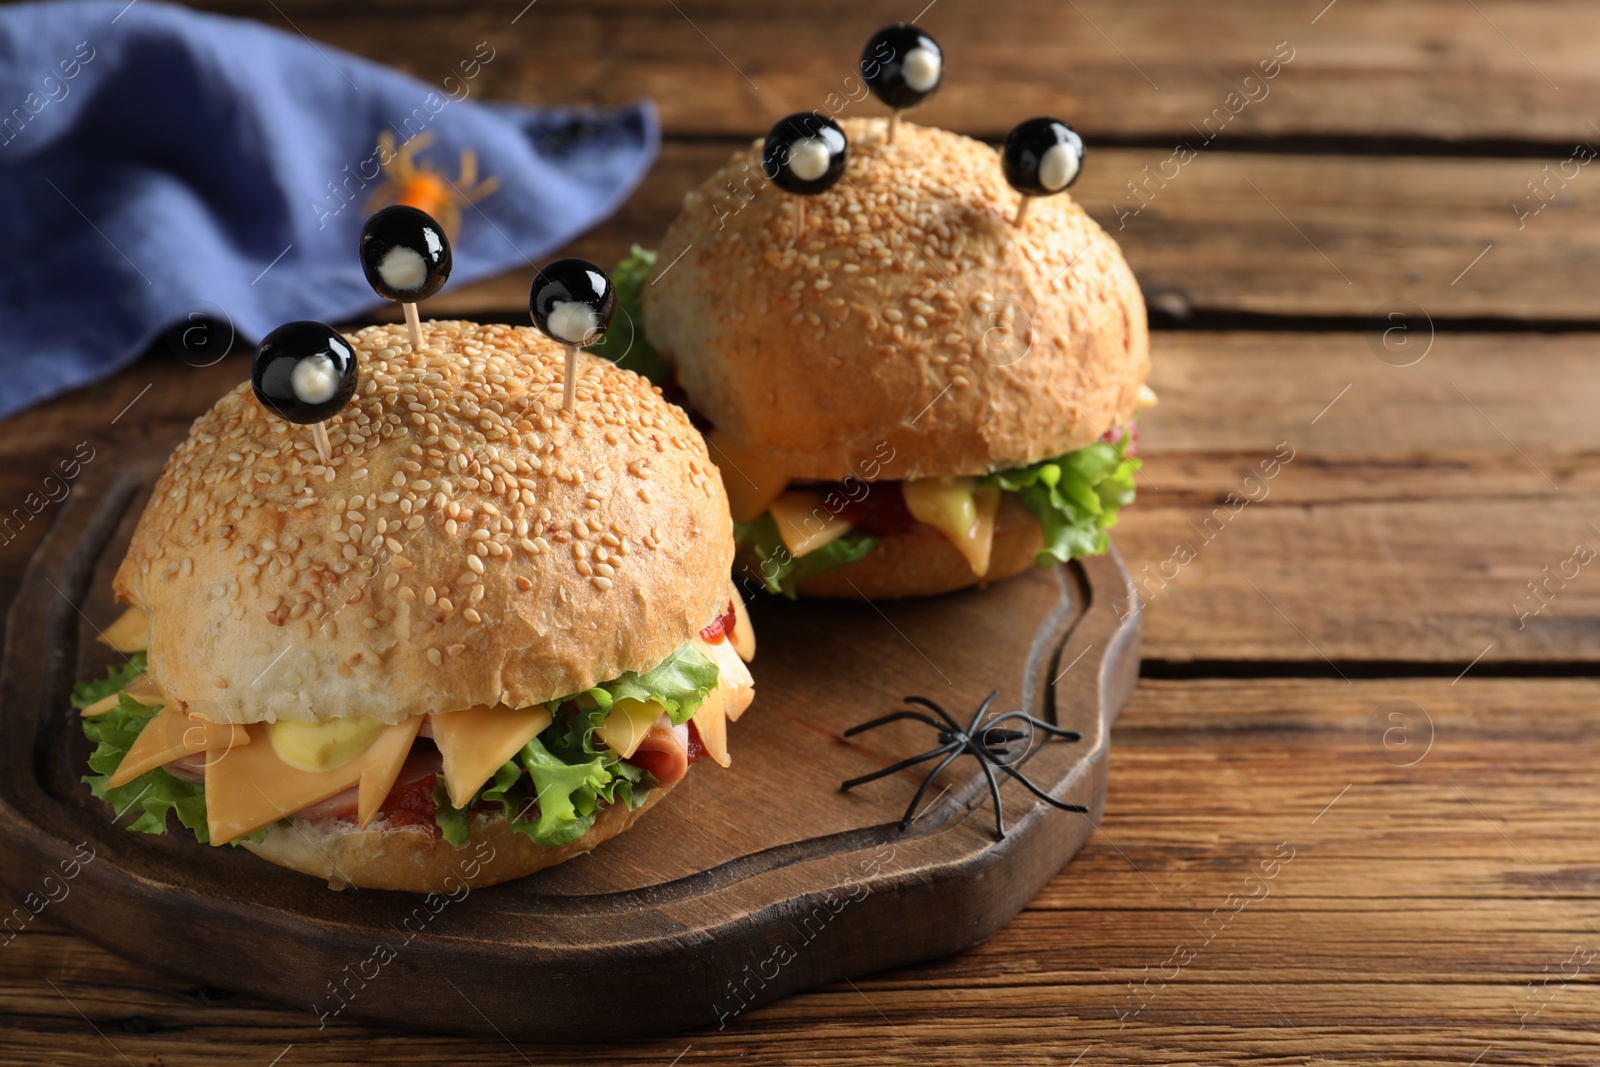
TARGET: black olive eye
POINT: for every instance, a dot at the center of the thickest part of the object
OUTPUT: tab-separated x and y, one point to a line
405	254
1042	156
572	301
305	372
805	154
902	66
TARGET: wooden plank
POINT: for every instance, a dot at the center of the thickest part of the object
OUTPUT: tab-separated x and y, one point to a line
1268	234
1407	926
1419	503
1362	68
1487	415
1434	581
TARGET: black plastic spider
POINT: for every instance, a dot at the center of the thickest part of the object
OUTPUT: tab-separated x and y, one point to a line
989	745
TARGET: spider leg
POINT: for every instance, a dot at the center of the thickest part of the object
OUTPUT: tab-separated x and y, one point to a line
409	150
483	189
931	706
983	708
957	749
386	148
893	717
1041	794
1055	731
902	765
994	791
469	169
995	742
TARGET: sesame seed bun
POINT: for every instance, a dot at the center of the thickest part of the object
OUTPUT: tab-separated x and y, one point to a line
415	859
470	543
913	314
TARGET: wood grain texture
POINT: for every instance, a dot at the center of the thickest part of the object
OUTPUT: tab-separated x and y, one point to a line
1244	232
1417	907
1428	914
1364	68
1420	502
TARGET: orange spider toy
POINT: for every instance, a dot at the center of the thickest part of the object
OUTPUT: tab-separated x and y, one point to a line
418	186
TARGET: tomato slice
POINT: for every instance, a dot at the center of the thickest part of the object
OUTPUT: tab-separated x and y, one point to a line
1126	434
411	804
721	626
696	747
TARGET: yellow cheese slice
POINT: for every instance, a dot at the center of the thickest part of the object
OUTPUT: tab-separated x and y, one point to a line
477	742
961	511
142	689
1147	398
711	721
147	691
386	756
751	481
744	635
735	687
627	723
980	547
130	633
804	523
250	787
101	706
170	735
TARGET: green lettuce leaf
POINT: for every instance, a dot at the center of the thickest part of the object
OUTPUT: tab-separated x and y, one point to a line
117	679
154	794
454	823
679	683
778	568
1075	497
625	343
553	789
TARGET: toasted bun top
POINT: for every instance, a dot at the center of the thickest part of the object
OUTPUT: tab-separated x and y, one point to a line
470	543
914	317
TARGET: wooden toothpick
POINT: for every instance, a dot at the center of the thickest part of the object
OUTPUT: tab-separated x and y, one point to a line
319	434
414	323
569	384
1022	209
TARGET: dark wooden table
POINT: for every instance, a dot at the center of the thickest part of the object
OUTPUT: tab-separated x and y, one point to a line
1353	802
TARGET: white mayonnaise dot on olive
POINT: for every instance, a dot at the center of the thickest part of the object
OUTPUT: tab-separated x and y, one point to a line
573	321
809	158
403	269
1058	167
921	68
314	380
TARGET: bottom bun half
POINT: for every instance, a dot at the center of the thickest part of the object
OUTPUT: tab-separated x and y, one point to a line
922	562
415	859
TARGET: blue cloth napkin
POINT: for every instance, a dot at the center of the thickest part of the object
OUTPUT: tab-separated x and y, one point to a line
159	166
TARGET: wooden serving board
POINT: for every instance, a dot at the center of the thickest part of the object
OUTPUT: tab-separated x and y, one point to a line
744	885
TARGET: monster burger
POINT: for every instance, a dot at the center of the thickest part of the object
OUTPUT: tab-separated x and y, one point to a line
483	620
932	386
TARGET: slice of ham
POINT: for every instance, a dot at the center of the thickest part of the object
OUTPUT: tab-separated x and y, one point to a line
664	752
421	762
190	768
